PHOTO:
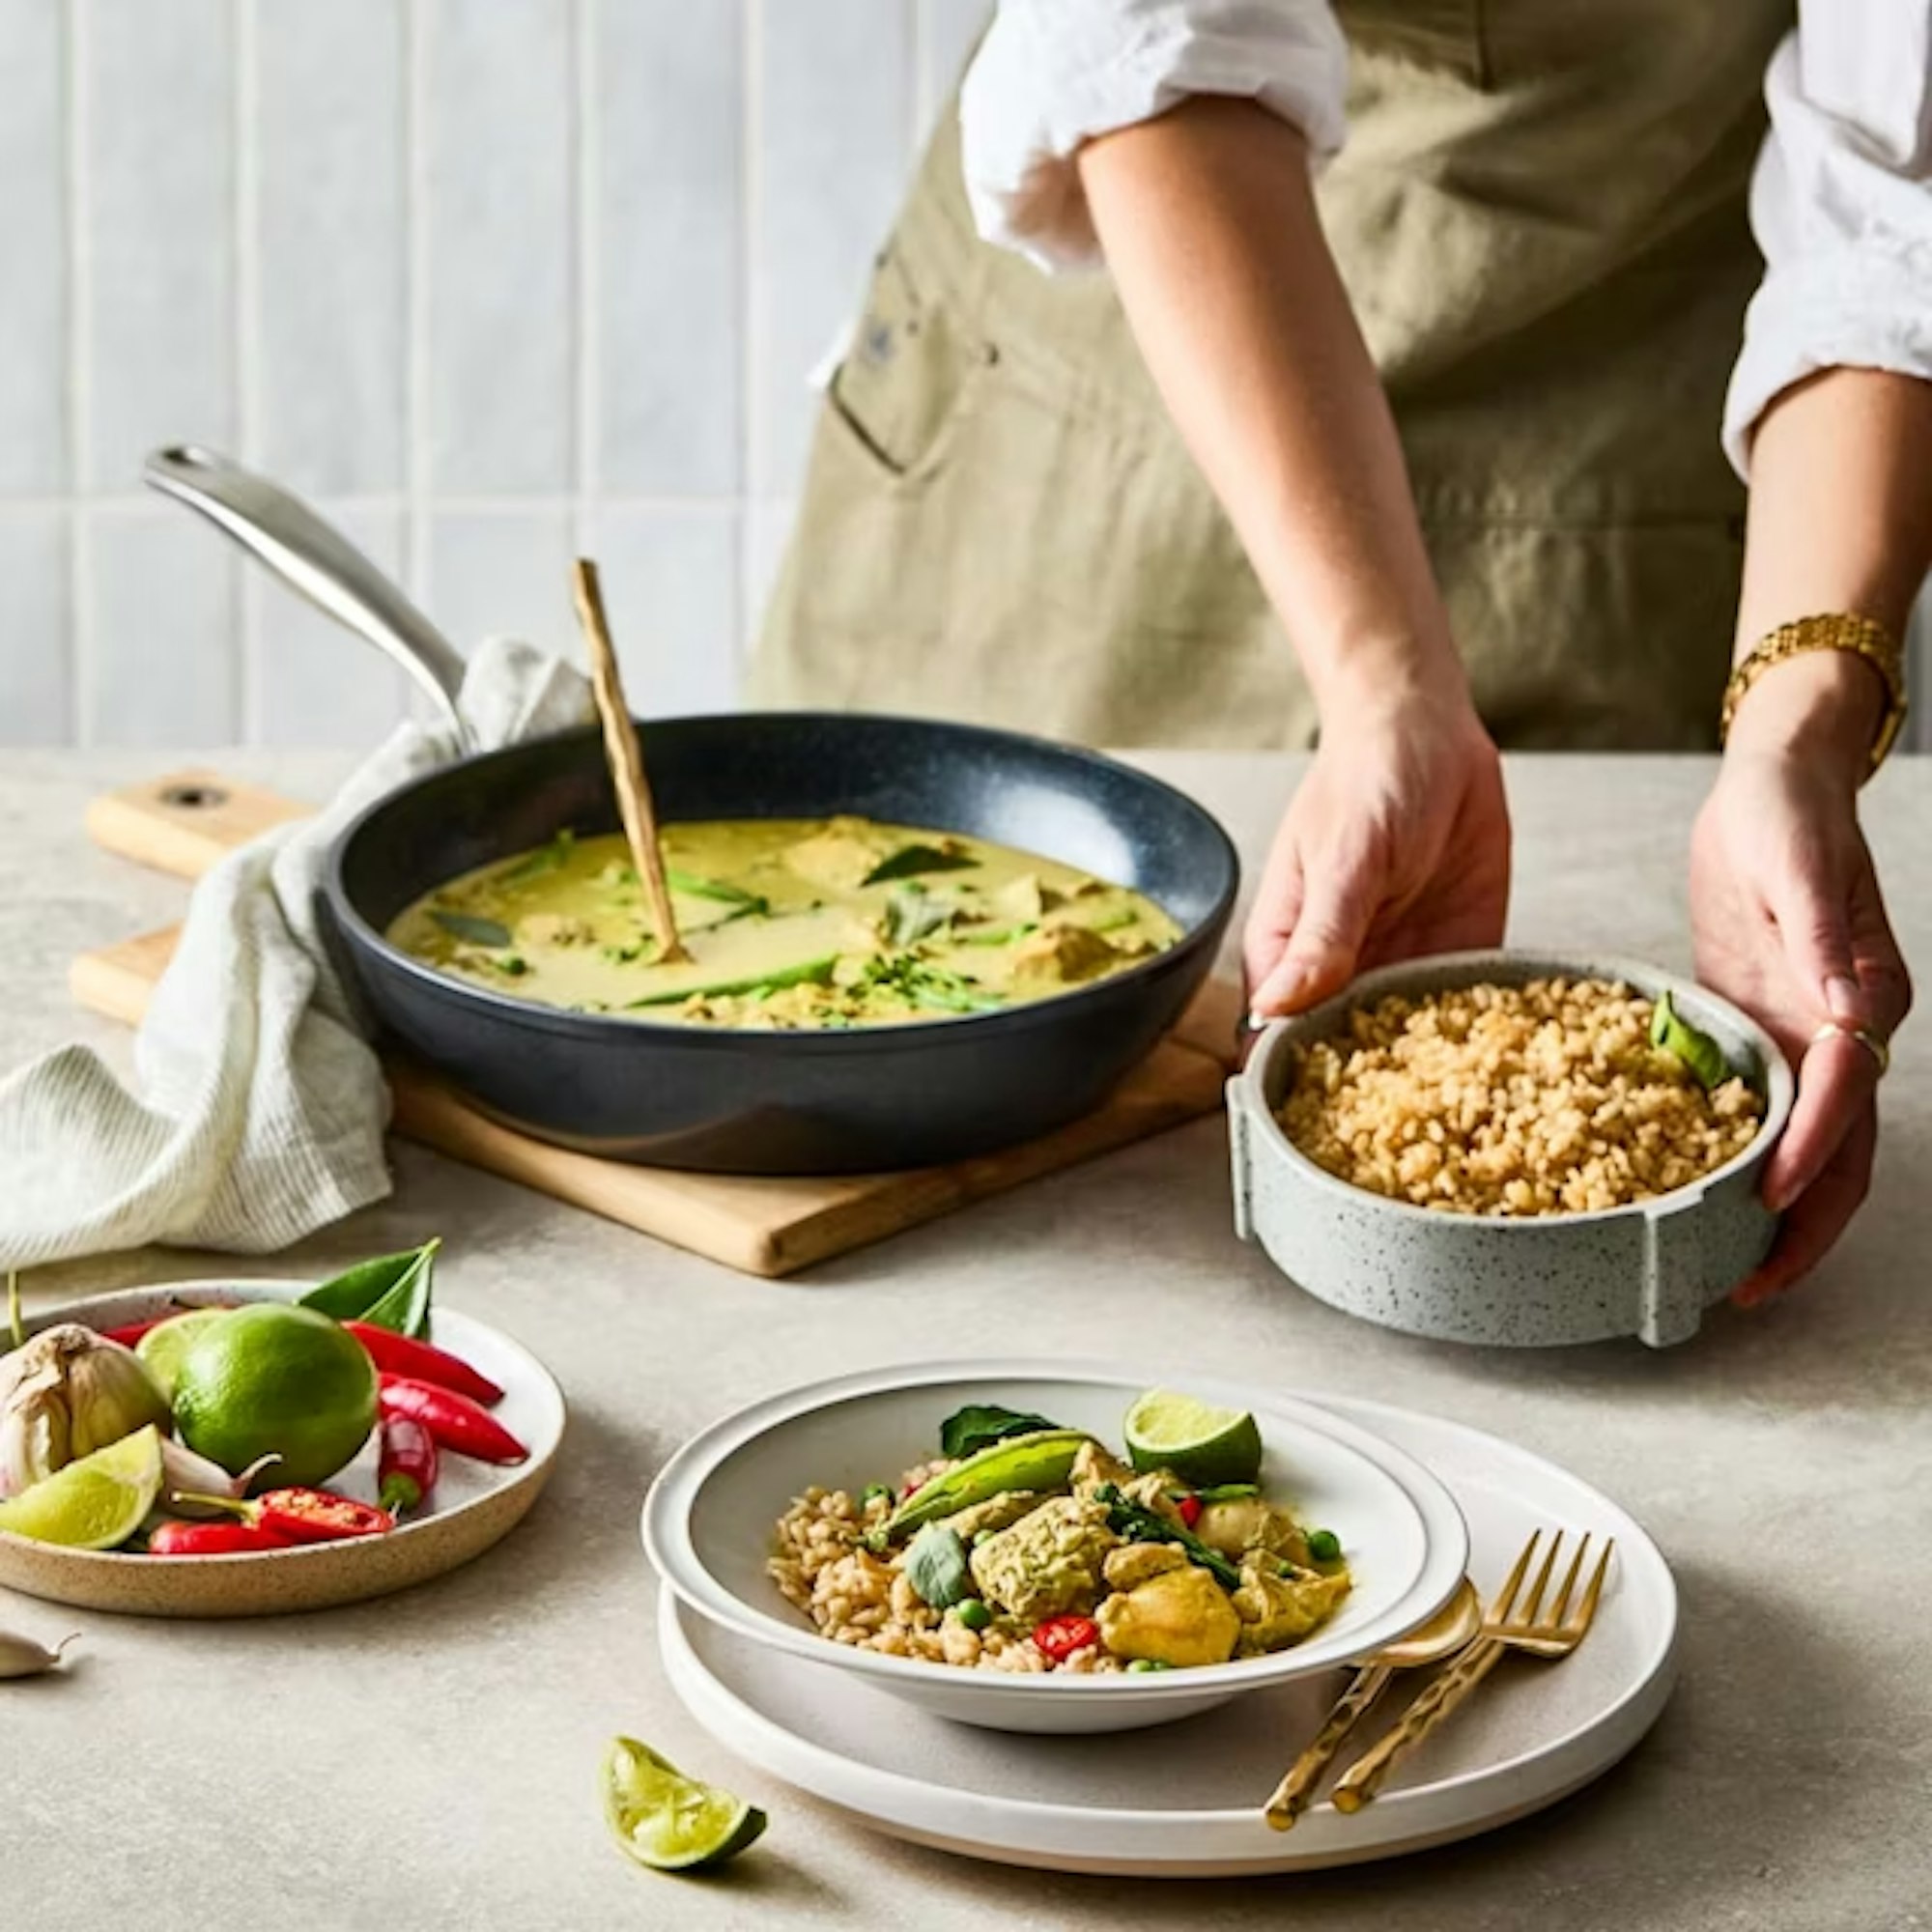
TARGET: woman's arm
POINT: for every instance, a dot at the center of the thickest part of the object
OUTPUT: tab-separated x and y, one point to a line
1784	901
1397	842
1210	227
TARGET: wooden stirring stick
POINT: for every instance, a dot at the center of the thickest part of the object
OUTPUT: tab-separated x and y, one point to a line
626	760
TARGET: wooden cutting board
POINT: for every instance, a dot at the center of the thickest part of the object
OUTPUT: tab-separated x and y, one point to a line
184	823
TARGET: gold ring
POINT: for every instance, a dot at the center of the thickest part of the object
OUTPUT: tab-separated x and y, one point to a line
1872	1042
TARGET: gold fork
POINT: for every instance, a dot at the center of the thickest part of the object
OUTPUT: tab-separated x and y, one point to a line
1550	1635
1451	1629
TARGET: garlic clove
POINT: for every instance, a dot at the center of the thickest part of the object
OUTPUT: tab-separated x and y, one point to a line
22	1657
184	1475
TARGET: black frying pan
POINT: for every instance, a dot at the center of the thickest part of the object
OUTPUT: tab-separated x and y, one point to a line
721	1100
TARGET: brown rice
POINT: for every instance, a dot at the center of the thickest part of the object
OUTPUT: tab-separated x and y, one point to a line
1542	1098
853	1597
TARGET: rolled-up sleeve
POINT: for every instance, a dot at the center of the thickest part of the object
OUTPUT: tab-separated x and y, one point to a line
1053	74
1841	203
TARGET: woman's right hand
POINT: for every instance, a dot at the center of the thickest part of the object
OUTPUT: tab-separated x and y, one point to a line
1396	844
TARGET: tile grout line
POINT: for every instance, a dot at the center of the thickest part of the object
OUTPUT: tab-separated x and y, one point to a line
414	98
79	329
244	597
918	45
586	338
751	300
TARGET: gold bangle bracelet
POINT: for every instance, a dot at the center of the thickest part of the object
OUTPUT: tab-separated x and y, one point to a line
1863	636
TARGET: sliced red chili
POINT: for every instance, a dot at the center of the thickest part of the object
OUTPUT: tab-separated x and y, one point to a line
213	1539
1059	1637
319	1515
1188	1509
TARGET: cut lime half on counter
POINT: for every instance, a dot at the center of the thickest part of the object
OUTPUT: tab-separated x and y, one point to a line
1201	1444
668	1821
97	1503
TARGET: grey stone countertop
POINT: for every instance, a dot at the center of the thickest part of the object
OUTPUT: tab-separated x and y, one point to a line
431	1760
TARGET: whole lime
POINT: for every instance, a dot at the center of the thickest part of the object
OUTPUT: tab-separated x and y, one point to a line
272	1380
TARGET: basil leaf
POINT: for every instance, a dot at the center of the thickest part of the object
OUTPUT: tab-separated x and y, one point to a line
1698	1051
818	971
937	1568
693	887
1144	1525
388	1292
471	929
545	859
973	1428
911	860
913	913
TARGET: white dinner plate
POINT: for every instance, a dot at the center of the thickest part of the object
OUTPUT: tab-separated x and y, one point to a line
1185	1800
709	1521
476	1504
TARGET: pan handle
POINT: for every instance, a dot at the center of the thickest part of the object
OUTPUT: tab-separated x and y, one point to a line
314	558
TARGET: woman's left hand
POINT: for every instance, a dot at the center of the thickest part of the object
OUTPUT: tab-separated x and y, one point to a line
1788	922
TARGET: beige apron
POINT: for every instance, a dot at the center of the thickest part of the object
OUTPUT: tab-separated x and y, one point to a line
1540	216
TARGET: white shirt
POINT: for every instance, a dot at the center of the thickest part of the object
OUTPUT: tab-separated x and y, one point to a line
1841	199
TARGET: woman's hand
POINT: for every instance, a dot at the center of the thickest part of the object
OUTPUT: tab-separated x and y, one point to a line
1788	922
1396	844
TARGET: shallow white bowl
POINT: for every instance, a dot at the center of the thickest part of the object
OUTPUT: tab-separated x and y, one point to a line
710	1522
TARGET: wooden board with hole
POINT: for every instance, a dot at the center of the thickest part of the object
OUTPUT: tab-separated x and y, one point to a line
761	1225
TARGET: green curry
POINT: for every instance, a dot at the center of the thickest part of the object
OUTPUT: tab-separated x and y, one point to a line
790	923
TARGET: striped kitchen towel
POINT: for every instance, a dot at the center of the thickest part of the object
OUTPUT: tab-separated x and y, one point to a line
257	1110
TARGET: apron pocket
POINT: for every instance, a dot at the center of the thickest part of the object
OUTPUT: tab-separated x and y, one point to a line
905	384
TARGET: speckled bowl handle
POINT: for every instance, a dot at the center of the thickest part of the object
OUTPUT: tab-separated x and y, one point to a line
1241	1100
1675	1271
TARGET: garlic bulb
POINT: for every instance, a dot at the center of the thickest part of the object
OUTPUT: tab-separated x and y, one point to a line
66	1394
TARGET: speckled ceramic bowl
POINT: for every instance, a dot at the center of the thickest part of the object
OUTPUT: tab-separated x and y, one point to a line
1649	1270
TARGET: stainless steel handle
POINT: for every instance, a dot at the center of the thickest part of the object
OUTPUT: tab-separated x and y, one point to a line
314	558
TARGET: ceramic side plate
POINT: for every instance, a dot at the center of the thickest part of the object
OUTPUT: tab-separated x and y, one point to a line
709	1526
475	1505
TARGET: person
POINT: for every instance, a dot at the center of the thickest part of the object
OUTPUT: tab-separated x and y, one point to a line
1413	445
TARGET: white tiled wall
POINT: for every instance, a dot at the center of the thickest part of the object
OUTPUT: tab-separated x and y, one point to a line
490	281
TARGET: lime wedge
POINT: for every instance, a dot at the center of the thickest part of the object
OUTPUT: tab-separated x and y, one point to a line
668	1821
1201	1444
95	1503
163	1347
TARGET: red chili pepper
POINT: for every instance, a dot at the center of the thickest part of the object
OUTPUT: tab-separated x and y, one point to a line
454	1420
129	1333
407	1470
398	1355
1059	1637
1188	1509
213	1539
319	1515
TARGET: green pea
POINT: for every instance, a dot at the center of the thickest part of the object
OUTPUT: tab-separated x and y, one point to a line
1323	1545
1140	1665
972	1613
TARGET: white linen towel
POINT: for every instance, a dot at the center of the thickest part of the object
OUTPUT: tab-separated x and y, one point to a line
258	1111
